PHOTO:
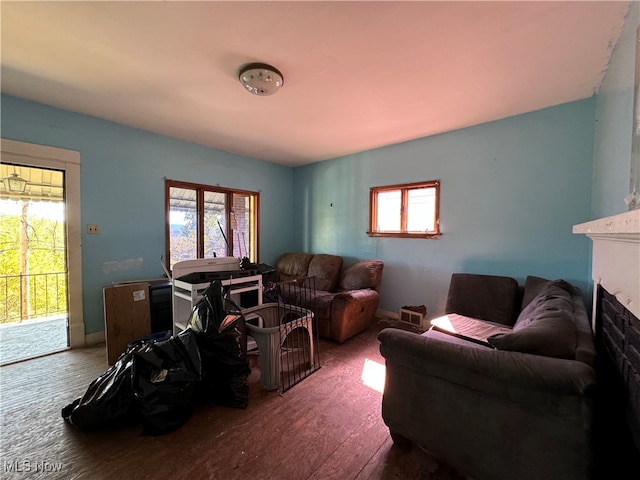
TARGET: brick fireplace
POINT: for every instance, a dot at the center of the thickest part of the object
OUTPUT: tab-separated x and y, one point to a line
615	270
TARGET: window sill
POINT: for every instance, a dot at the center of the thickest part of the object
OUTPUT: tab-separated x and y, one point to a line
404	235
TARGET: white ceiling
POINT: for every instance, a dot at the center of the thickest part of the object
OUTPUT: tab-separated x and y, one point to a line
358	75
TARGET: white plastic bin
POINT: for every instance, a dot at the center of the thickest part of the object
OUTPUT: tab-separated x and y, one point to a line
269	324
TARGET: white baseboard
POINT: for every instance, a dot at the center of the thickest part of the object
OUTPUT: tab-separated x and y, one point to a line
94	338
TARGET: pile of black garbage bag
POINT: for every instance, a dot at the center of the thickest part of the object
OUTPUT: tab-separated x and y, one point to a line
161	380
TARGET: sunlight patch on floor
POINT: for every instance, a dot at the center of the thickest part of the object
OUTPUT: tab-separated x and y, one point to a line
373	374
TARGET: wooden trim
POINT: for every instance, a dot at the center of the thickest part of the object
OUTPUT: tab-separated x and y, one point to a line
43	156
211	188
43	152
404	190
200	222
404	209
404	235
167	223
428	183
200	191
256	221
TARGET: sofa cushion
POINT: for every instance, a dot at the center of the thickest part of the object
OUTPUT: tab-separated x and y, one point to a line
365	274
486	297
553	296
532	287
545	326
444	337
469	327
293	265
326	271
552	336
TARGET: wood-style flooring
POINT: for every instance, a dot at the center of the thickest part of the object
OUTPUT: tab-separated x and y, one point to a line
329	426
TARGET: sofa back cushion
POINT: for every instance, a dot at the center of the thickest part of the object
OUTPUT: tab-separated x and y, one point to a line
549	336
362	275
545	326
485	297
532	287
326	270
553	297
293	265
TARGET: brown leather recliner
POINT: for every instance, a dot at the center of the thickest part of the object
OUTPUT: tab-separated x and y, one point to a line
344	302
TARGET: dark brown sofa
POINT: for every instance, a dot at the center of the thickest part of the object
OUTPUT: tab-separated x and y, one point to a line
346	301
519	408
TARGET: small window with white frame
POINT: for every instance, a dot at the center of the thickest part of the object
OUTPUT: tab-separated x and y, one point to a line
409	210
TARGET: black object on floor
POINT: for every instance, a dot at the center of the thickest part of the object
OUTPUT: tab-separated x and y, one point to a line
160	379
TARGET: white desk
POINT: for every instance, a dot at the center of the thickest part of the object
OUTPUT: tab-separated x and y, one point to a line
186	295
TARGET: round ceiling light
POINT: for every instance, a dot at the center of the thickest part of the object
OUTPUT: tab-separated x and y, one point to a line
260	78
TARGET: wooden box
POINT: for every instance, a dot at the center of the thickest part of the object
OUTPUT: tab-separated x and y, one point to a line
127	317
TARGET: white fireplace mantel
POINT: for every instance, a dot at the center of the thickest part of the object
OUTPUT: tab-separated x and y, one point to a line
616	256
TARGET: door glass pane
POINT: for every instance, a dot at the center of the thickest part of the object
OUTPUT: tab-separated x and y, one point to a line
183	224
389	204
33	262
33	268
421	210
215	219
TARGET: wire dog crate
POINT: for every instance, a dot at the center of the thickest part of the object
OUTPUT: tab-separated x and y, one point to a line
285	334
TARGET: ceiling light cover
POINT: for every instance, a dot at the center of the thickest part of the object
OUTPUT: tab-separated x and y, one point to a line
260	78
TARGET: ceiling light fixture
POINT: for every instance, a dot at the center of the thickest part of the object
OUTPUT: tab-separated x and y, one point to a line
15	183
260	78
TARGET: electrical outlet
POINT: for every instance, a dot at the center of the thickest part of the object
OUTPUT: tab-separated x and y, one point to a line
93	229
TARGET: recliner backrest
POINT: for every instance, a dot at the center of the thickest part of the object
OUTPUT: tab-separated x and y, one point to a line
361	275
326	271
293	265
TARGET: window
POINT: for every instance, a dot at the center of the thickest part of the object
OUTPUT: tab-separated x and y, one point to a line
409	210
204	221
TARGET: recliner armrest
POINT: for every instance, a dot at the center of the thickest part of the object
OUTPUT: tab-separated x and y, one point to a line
362	295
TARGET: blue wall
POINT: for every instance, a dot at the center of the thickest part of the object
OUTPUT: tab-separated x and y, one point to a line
122	188
614	124
511	190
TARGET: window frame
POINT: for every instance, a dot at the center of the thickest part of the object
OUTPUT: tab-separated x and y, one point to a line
404	189
200	191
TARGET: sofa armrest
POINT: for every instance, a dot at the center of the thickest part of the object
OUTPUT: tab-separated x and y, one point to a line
517	376
362	295
351	313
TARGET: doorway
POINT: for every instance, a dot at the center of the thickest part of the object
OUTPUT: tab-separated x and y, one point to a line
33	270
40	259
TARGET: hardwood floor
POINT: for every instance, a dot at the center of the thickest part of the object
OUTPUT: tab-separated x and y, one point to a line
328	426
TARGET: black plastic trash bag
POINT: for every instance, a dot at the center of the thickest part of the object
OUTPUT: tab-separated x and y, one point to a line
109	398
165	378
222	340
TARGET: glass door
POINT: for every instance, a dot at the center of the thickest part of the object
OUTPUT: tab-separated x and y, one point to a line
33	263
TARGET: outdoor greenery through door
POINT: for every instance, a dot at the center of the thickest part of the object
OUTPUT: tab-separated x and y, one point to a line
33	272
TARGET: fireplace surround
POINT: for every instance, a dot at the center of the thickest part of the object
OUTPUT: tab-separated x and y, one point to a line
615	270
